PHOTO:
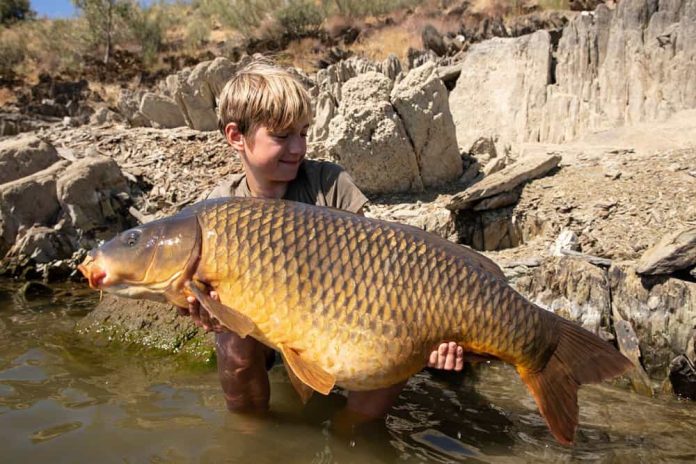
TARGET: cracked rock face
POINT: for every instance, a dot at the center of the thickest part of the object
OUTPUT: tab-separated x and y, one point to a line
368	138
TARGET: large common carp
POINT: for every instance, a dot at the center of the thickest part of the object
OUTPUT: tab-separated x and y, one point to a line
351	301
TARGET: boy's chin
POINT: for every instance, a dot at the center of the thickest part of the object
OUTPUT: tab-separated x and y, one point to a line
286	172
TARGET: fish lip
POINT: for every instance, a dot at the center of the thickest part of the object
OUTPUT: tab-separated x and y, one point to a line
95	275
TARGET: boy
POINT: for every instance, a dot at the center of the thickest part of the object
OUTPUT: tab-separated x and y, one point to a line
264	114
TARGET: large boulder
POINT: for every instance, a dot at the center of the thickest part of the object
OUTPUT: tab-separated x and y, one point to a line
29	201
42	245
161	110
91	192
24	155
195	91
622	66
368	138
501	90
421	101
611	67
572	288
662	311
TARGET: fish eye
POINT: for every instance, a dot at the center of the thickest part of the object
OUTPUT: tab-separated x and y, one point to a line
131	238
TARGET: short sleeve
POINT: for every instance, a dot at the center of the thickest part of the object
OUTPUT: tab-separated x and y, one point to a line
221	190
227	188
340	190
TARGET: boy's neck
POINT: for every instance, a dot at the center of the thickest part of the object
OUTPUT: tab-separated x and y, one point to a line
266	189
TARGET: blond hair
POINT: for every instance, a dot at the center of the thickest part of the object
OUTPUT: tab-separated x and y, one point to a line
263	94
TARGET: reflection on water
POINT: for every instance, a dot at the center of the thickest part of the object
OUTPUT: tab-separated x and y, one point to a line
67	399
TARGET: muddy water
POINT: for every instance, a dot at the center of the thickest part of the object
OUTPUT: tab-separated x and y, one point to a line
64	398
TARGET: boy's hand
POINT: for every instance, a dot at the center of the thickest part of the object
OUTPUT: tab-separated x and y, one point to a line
201	317
447	356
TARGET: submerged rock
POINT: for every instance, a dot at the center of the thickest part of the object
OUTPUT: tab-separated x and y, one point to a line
147	323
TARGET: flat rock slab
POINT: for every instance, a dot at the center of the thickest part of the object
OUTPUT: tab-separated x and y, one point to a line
674	252
505	180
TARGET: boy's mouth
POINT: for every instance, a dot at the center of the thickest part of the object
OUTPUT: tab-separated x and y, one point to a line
297	161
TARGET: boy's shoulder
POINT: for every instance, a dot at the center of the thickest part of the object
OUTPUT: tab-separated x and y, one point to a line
324	183
229	187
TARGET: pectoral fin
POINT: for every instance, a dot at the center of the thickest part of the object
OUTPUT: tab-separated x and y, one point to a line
306	373
301	388
230	318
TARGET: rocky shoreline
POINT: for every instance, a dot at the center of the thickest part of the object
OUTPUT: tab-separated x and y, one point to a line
573	166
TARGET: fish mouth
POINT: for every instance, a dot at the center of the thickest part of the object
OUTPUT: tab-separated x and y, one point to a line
95	275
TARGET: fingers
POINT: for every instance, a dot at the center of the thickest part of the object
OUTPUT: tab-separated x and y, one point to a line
459	359
200	316
448	356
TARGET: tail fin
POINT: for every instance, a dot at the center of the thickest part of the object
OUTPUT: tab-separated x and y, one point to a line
580	357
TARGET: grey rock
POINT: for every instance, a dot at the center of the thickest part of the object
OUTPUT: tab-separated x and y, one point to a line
682	375
432	40
162	111
566	240
368	138
28	201
494	165
622	66
500	200
35	290
630	347
421	101
41	244
505	180
88	192
571	288
501	90
129	107
147	323
391	67
324	112
195	91
661	310
674	252
24	155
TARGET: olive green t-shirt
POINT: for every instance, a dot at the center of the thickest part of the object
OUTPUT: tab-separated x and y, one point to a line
318	183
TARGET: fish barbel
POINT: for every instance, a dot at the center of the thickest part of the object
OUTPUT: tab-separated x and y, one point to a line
351	301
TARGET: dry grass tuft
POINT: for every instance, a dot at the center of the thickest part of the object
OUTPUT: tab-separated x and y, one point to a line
379	44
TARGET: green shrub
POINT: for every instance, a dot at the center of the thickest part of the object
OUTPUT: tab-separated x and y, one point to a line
147	26
358	8
12	53
197	32
15	10
300	18
57	46
242	15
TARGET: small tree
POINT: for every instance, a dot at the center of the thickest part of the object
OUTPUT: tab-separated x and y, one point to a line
101	16
15	10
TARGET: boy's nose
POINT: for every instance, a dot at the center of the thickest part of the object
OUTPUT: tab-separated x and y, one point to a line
298	145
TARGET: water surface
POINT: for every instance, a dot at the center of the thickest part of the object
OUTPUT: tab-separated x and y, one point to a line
68	398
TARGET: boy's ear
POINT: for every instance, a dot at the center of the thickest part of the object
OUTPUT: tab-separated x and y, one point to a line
234	137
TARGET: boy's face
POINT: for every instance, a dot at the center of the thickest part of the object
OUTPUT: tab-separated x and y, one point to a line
275	156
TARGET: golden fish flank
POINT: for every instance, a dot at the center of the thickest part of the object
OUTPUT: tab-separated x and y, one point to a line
357	302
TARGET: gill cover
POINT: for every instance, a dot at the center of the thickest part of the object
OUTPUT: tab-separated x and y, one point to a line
151	260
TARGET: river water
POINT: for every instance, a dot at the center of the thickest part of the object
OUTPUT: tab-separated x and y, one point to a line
69	398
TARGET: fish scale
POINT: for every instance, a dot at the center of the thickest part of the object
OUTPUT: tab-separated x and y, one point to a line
403	291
